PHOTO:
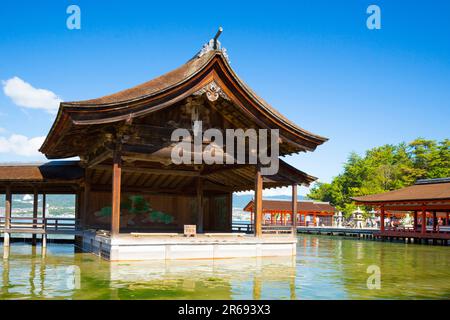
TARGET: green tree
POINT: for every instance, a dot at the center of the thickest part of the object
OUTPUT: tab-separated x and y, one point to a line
385	168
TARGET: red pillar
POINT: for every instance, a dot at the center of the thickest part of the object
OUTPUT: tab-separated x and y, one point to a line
258	201
424	220
415	220
294	206
382	219
447	219
434	221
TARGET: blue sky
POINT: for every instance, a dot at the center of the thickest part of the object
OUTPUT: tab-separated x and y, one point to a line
314	61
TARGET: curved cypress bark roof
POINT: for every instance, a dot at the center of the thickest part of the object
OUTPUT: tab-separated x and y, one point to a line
163	92
286	205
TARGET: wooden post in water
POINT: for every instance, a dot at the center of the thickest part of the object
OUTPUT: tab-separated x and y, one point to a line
44	235
8	209
382	218
199	199
258	201
116	192
35	213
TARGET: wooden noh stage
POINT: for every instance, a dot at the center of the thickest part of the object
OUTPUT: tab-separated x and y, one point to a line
133	201
279	212
429	203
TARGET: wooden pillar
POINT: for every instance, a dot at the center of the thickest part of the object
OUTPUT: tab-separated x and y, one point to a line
44	203
44	221
230	211
434	221
382	218
448	223
35	213
77	205
424	220
86	195
199	205
415	221
8	210
258	201
294	206
116	193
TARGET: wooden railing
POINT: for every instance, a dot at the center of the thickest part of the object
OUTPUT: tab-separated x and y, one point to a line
242	227
277	230
38	225
266	229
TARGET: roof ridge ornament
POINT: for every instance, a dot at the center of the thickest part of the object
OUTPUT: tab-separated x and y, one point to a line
214	44
213	92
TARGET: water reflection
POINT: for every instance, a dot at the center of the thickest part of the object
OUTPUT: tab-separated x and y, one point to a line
325	268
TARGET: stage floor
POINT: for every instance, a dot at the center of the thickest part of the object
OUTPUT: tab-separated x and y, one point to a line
151	246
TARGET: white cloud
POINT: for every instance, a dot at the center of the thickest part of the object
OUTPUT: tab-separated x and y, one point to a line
21	145
25	95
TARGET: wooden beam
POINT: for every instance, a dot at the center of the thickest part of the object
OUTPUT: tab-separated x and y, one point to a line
116	193
172	172
145	190
258	202
207	185
199	205
145	157
294	208
99	159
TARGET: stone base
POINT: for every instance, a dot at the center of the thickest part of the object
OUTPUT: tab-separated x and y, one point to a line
129	247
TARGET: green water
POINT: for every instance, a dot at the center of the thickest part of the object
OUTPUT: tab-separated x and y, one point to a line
325	268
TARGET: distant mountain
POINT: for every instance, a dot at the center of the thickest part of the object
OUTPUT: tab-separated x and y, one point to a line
54	202
240	201
68	201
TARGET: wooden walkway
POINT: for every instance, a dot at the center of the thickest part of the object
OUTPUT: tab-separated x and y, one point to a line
337	231
266	229
408	235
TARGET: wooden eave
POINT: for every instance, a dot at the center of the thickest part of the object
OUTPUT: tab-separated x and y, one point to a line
167	90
